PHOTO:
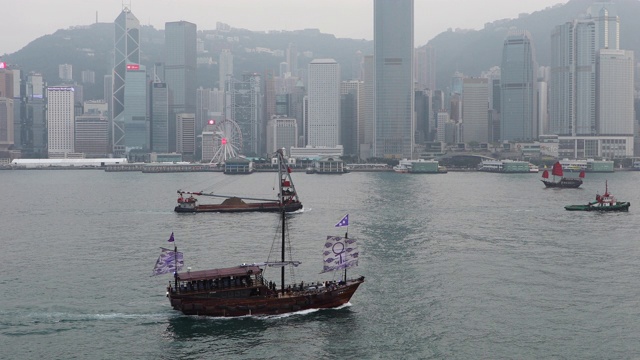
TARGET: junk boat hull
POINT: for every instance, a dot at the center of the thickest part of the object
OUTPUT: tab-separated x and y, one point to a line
273	303
563	183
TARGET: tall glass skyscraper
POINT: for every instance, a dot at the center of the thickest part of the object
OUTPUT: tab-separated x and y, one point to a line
518	88
244	105
324	103
136	122
126	51
393	84
180	71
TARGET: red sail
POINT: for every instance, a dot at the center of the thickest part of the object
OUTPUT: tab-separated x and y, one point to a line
545	174
557	169
582	174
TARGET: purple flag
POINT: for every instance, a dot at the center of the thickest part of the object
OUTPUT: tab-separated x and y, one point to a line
171	239
344	221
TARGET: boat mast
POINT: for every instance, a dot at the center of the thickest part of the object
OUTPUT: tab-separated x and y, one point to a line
175	264
282	213
346	236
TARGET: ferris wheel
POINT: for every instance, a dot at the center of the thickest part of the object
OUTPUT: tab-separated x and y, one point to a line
227	141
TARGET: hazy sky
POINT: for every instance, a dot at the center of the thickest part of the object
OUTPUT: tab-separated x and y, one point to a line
343	18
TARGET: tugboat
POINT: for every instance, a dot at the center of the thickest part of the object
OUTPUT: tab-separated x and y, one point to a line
566	183
606	202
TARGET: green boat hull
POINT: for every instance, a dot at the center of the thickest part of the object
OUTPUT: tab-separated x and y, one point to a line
621	206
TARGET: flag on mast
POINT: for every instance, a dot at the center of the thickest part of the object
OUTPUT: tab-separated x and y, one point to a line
169	261
344	221
171	239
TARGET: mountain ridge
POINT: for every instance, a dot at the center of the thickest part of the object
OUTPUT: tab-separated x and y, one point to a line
90	47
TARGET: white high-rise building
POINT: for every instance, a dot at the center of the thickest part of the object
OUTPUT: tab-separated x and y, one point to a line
324	103
615	74
475	109
60	120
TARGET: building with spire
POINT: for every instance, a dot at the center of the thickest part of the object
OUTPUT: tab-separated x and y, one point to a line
126	52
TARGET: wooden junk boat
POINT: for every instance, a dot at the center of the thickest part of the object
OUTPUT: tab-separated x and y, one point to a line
244	290
563	182
287	198
606	202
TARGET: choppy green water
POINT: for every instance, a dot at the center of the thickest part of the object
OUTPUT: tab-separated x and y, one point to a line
459	265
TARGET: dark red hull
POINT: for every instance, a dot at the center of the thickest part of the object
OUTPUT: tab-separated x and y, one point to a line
249	207
563	183
206	304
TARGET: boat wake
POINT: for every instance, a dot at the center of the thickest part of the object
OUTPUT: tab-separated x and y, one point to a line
304	209
268	317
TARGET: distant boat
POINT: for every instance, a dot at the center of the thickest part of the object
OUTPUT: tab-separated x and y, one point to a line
401	168
606	202
288	199
506	166
569	183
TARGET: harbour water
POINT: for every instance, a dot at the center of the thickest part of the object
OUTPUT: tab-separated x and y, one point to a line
457	266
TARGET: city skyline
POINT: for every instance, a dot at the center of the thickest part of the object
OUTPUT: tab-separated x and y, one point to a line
465	14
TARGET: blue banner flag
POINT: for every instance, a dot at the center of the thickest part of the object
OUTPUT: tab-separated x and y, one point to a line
344	221
171	239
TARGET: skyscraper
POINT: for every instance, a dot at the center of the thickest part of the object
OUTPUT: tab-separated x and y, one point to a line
351	97
92	135
244	106
225	64
159	117
60	120
135	120
394	96
282	132
425	71
186	135
180	71
6	109
587	87
292	59
126	51
615	74
518	88
324	103
35	117
475	110
366	129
